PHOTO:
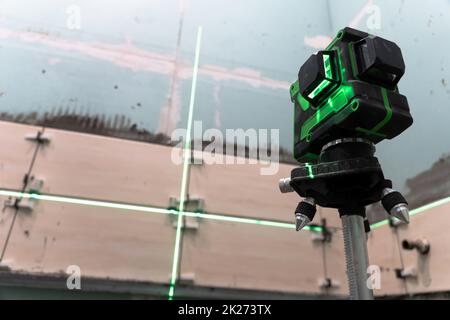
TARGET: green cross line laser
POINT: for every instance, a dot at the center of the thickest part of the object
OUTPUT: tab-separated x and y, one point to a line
349	90
346	100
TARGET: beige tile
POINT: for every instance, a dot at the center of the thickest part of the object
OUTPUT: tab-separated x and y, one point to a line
234	255
102	242
15	153
83	165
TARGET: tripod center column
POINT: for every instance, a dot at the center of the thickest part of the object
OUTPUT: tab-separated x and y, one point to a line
357	260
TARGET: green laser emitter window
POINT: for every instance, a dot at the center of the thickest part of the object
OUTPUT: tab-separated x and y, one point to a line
319	76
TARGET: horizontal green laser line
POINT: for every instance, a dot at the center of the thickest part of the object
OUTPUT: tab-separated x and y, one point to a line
210	216
415	211
140	208
87	202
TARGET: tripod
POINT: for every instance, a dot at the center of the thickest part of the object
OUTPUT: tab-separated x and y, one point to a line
348	177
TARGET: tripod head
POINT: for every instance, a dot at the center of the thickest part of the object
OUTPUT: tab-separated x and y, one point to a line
349	90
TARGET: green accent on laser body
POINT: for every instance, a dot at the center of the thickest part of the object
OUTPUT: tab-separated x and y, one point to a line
370	132
388	108
310	155
295	95
382	123
353	61
325	83
310	171
336	39
334	104
295	88
304	104
327	66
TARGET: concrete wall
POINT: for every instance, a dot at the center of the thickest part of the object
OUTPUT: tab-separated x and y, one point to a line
135	61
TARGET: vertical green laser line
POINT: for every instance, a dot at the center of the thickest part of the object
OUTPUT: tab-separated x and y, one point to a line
186	160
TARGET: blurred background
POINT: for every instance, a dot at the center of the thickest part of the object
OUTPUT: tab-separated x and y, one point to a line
107	83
